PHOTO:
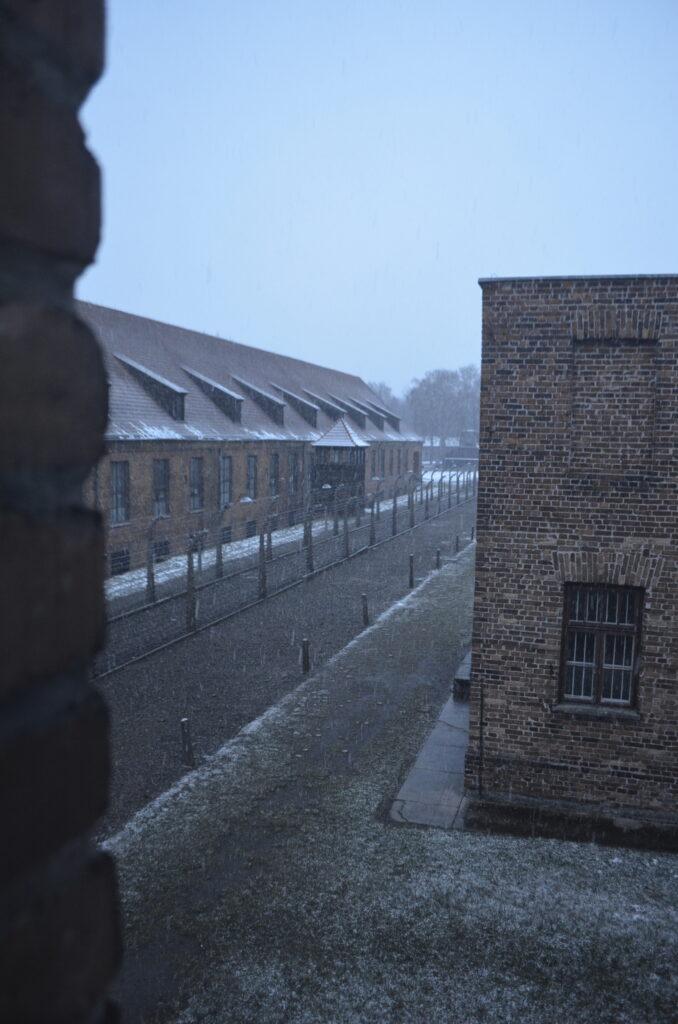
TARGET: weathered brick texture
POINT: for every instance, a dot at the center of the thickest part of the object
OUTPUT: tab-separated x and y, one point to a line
59	932
578	483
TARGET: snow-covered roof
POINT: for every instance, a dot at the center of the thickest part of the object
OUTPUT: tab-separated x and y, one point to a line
341	435
192	366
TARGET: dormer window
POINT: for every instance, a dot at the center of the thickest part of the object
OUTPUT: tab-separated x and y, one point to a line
165	393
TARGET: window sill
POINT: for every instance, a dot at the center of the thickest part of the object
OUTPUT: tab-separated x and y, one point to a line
596	711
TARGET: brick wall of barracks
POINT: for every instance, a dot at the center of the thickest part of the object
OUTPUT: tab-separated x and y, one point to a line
578	482
59	935
234	521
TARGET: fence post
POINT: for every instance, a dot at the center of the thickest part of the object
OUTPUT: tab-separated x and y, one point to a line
305	656
378	506
426	505
473	534
269	538
219	558
394	515
440	495
456	545
449	490
466	485
437	558
366	614
413	493
411	571
186	745
358	503
309	546
262	565
347	539
458	497
373	529
335	516
191	616
150	573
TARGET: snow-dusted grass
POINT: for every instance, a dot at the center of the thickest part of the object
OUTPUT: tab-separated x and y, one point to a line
273	886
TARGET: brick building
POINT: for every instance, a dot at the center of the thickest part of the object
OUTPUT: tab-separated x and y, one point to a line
574	697
207	438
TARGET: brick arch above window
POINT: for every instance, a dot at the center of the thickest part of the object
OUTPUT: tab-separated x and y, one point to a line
638	566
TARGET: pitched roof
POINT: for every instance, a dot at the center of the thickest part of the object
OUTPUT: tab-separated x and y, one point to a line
209	370
340	435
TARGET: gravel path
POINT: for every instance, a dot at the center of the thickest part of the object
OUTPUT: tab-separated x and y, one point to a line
268	886
226	676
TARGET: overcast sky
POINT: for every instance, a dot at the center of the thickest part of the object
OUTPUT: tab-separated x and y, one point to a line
329	178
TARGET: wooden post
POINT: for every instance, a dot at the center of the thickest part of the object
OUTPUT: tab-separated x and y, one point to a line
191	617
186	745
150	573
366	614
305	656
347	539
309	545
373	529
411	571
263	582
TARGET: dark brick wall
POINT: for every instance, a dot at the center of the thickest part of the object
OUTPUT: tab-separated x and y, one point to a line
578	482
59	939
134	535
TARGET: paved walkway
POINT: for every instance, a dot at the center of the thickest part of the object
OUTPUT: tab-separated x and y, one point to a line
433	792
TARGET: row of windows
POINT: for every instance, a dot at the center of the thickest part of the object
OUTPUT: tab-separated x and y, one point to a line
398	461
120	558
121	494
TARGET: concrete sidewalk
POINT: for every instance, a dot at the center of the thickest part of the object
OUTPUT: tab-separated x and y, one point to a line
433	792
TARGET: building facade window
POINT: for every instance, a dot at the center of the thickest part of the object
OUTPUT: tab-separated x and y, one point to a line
119	561
601	644
161	550
293	473
225	480
196	484
161	483
251	476
120	499
274	475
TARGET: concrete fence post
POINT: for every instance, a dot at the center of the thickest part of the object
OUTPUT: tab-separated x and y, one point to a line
426	505
347	539
437	558
191	610
449	490
456	545
458	495
373	529
187	754
473	534
269	539
411	571
305	656
262	566
394	515
335	516
150	573
366	613
219	559
358	504
309	545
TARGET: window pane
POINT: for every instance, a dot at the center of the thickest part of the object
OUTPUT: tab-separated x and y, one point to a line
579	671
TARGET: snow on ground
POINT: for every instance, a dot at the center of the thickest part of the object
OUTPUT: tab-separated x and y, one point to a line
272	890
135	580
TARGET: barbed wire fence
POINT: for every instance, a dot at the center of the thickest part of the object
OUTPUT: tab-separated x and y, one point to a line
204	587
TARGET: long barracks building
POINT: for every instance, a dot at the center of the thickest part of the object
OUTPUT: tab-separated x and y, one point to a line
207	438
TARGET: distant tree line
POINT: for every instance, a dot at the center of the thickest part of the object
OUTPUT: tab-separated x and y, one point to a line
443	406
